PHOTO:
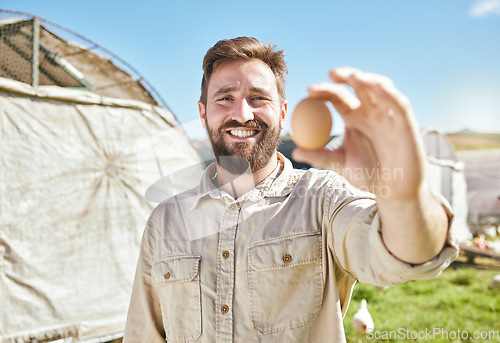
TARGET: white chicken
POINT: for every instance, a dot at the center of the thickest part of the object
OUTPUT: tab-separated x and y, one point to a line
495	284
362	321
494	246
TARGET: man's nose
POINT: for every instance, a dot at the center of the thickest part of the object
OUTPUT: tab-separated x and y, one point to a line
242	111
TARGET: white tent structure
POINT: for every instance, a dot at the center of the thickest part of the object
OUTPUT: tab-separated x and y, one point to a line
481	171
445	174
81	141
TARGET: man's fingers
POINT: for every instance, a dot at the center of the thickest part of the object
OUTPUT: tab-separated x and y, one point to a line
373	90
368	86
357	78
390	94
341	98
321	158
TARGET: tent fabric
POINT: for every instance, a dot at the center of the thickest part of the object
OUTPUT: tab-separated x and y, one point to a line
74	169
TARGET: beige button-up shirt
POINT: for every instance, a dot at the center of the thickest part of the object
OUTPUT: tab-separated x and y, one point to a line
278	264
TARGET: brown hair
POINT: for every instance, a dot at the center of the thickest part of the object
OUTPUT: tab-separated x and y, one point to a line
244	48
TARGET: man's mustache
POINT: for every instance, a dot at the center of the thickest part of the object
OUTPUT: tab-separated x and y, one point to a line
249	124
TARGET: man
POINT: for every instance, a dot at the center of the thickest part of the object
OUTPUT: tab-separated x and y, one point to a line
260	252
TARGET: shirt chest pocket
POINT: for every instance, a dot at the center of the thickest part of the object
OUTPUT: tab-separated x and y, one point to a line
177	281
286	281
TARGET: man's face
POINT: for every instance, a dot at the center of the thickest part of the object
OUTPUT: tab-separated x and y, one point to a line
243	115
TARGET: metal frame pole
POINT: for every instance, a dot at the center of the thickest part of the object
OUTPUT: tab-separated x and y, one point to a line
36	53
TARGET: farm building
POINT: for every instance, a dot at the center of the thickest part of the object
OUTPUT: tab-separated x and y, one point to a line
83	137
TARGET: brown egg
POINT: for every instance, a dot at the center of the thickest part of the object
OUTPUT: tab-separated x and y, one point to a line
311	124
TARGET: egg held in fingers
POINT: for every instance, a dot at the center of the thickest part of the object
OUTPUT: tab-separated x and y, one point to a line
311	124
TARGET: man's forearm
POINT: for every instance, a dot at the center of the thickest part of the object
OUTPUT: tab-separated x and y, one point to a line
413	231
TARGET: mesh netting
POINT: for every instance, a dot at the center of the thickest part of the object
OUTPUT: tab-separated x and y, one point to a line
65	59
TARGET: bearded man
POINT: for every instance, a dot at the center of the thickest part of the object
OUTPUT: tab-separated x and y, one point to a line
261	252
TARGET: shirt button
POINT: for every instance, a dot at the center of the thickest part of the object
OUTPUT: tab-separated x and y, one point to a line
225	254
167	275
287	258
233	207
224	309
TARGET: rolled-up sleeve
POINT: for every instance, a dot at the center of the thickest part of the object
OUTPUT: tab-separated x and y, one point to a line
356	242
144	320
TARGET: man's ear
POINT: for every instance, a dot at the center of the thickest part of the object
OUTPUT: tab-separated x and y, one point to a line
283	113
201	109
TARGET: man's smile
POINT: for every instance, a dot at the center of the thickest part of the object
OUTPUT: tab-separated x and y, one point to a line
242	133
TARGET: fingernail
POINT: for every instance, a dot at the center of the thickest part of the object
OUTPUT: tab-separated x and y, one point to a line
342	72
318	87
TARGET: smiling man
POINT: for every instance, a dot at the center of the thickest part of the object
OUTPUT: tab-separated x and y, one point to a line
245	121
261	252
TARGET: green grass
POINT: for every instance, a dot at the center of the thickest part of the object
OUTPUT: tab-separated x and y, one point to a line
458	299
468	140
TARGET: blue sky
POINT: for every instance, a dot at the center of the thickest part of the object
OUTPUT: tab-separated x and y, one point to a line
443	54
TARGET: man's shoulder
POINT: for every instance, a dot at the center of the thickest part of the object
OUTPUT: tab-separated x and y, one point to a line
313	181
314	175
183	197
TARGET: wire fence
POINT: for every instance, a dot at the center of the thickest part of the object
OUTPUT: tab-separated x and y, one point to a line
39	52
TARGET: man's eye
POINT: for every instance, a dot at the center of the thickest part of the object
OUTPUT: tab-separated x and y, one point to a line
224	98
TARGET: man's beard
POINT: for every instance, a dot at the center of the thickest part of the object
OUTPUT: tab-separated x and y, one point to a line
242	156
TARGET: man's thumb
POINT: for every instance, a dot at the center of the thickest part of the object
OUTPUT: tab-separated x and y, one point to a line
320	158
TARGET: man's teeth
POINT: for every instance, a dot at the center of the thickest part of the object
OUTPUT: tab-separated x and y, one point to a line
242	134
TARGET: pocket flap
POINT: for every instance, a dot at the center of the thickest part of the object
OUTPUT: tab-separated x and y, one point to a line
175	269
286	251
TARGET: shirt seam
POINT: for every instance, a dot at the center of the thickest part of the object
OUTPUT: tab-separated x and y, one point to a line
330	227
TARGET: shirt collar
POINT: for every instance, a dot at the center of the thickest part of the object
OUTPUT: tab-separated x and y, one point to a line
279	183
